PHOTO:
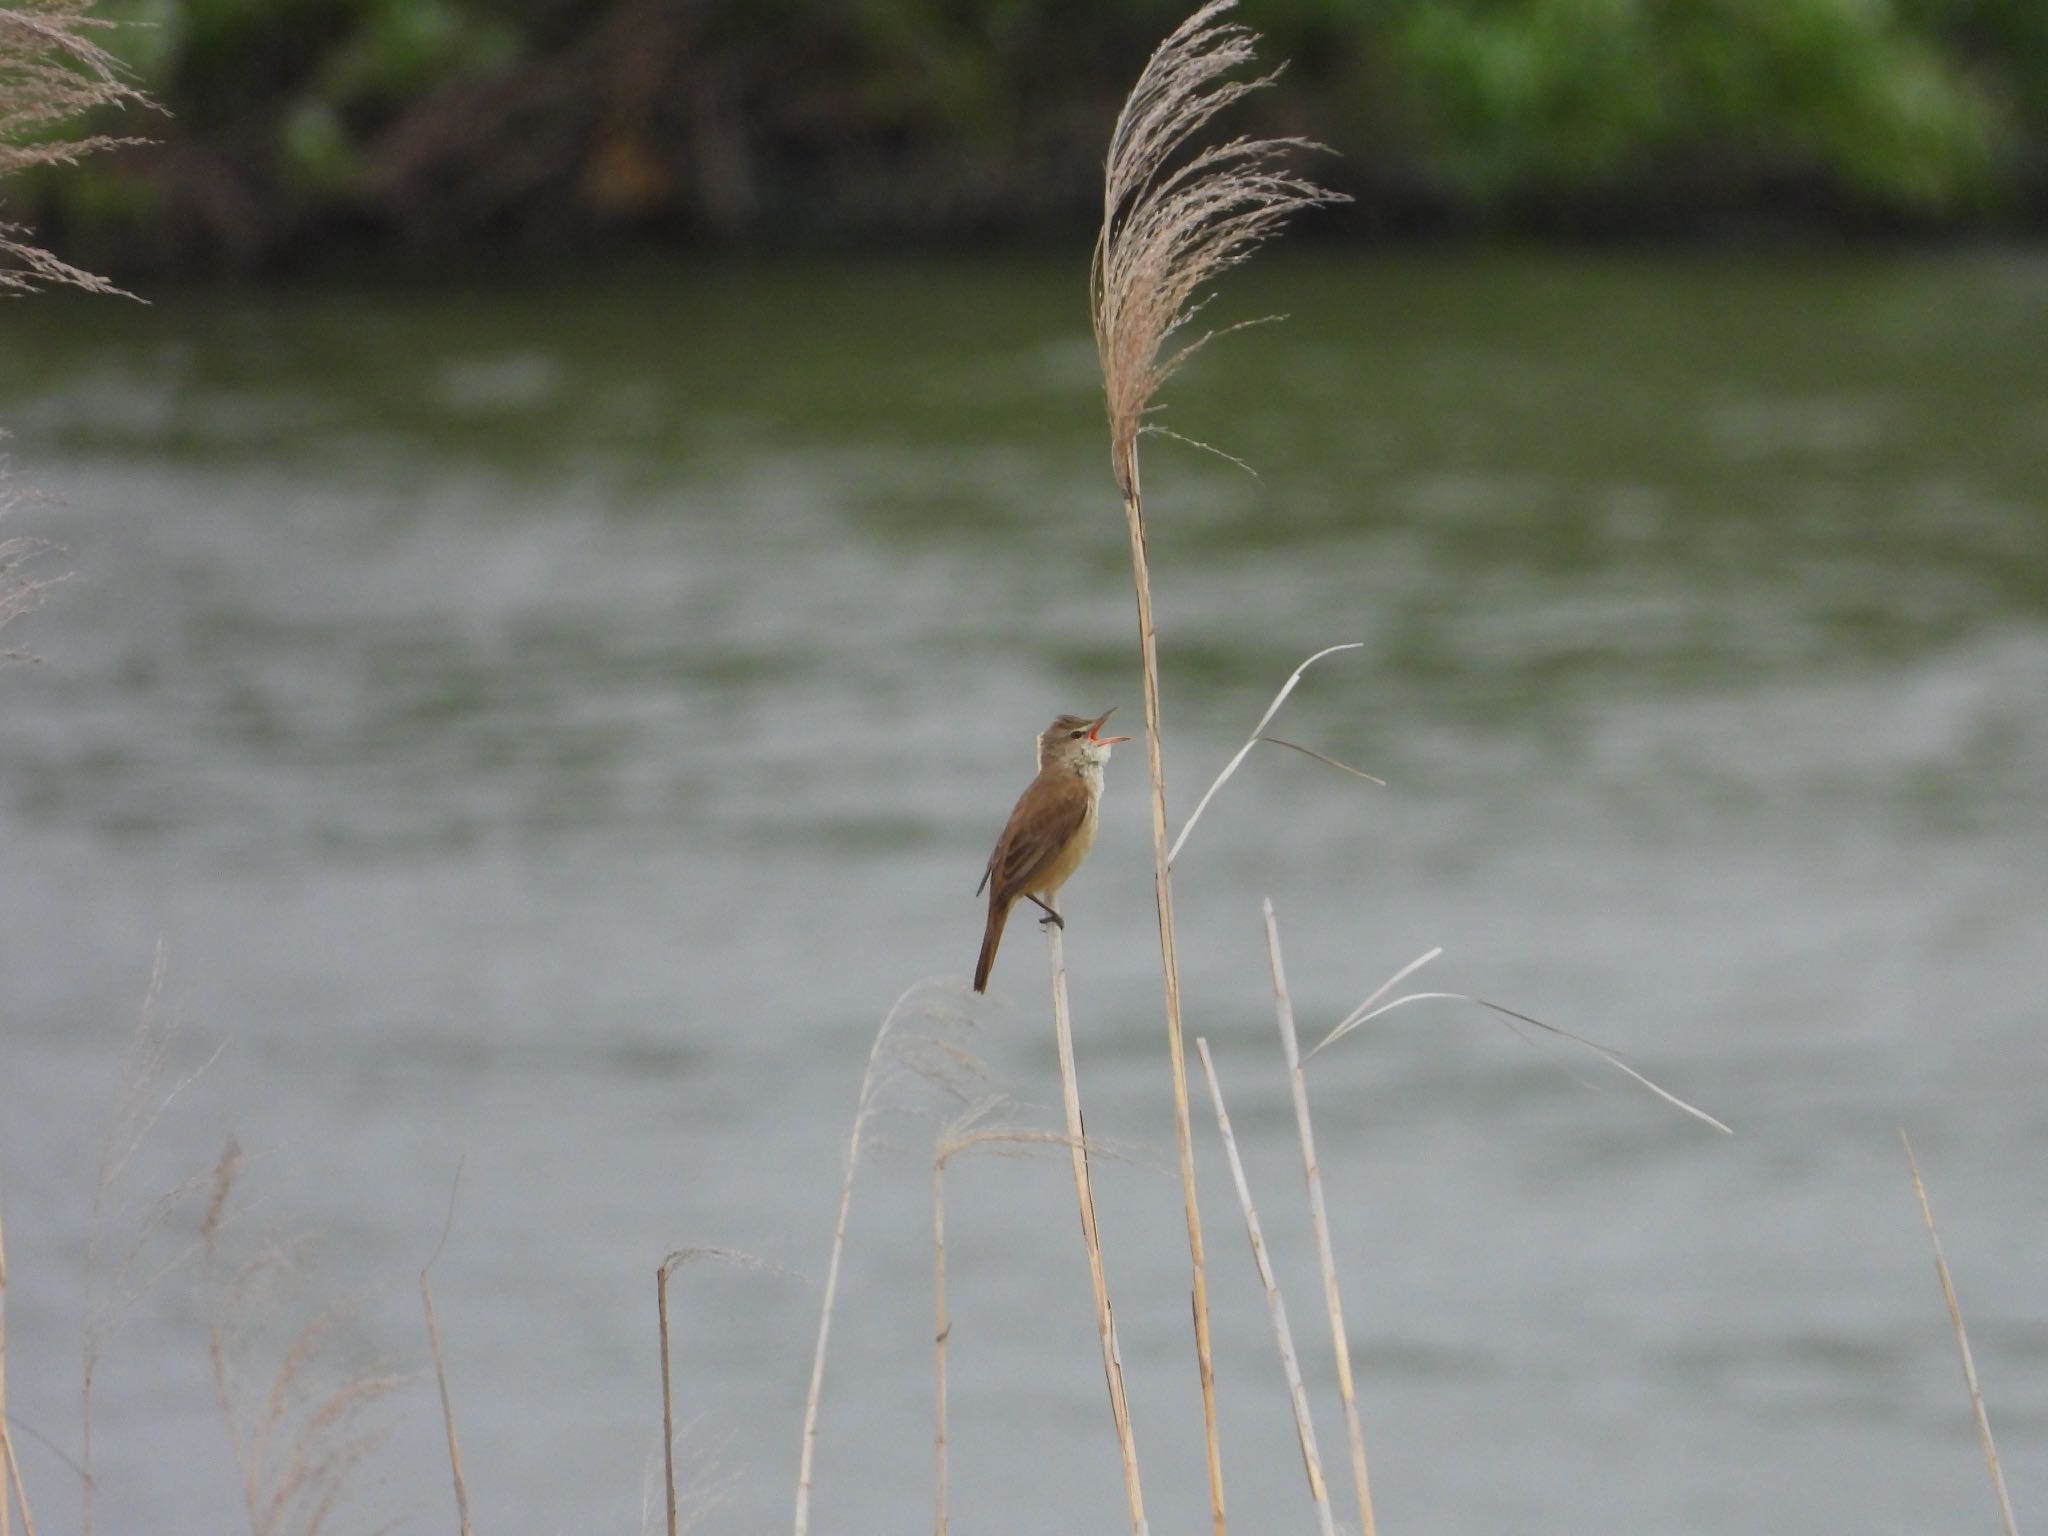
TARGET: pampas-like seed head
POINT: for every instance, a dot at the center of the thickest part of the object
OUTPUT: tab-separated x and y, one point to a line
1169	229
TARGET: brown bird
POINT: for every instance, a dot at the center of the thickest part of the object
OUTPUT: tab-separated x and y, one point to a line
1050	830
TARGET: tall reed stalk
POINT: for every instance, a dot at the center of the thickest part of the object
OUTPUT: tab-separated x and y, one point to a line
1091	1239
10	1474
1169	226
1319	1221
1955	1319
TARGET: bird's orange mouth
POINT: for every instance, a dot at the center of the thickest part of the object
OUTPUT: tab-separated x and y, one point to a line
1100	721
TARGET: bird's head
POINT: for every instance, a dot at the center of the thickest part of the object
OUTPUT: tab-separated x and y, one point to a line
1078	740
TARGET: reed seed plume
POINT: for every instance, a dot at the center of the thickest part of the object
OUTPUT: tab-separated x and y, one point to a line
918	1041
52	70
1172	225
301	1438
1955	1318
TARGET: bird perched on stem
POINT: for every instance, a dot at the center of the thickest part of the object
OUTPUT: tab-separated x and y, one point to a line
1050	830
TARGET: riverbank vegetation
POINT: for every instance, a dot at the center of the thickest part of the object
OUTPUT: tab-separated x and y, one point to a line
451	127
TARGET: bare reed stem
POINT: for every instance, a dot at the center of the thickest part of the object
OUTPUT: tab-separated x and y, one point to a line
1084	1196
668	1409
1955	1319
942	1329
8	1470
1319	1219
1304	1425
1167	230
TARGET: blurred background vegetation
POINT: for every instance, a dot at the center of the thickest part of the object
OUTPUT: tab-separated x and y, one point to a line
296	129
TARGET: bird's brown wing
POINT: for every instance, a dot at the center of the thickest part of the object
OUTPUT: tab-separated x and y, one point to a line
1044	822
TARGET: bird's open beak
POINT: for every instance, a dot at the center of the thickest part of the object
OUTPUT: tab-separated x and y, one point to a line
1095	729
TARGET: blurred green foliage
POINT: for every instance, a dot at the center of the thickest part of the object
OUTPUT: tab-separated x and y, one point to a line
454	120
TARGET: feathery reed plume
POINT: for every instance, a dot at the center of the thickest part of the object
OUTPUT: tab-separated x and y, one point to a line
21	590
1258	735
1955	1318
968	1132
1319	1221
932	1059
441	1360
297	1445
51	70
1276	1305
1167	230
1084	1198
144	1097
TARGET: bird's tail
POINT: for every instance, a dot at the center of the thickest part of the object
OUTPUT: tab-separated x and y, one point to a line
998	914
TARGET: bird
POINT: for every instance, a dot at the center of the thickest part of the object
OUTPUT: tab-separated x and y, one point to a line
1050	829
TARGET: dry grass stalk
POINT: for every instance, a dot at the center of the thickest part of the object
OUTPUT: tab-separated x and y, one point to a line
1955	1320
1258	735
297	1446
1372	1008
51	70
969	1132
441	1362
1319	1220
1084	1197
1167	230
1304	1425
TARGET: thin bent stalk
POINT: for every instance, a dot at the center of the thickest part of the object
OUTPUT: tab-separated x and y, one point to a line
1955	1318
441	1365
1319	1219
1304	1425
1084	1197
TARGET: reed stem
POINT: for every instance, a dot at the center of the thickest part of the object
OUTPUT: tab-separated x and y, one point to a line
1319	1219
942	1328
1955	1318
1084	1197
1276	1305
1169	965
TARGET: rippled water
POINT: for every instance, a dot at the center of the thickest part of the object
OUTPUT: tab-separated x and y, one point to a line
545	730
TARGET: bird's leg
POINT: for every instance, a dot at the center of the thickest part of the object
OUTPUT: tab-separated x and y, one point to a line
1051	917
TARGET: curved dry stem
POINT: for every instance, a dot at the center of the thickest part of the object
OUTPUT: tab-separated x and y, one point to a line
1257	736
1371	1009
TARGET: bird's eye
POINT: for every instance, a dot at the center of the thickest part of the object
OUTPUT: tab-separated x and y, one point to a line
1075	735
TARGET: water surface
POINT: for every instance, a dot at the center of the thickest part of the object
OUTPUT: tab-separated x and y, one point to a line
546	729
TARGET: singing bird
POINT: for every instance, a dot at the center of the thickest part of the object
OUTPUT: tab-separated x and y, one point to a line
1050	830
